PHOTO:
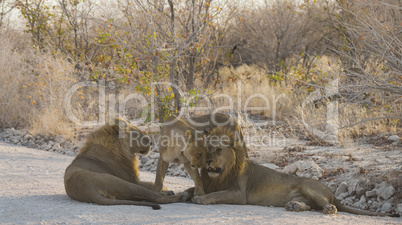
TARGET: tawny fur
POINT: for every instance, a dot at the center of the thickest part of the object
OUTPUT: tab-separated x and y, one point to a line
106	169
192	156
231	178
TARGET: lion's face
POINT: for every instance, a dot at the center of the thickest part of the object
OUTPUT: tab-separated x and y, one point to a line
196	155
220	157
138	142
135	139
196	149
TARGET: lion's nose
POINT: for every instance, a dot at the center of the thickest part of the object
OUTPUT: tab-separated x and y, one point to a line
209	161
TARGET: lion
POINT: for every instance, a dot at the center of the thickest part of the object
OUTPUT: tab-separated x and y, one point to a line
105	171
183	141
211	121
231	178
183	144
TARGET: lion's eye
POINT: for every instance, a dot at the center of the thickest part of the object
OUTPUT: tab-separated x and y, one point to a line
200	154
218	150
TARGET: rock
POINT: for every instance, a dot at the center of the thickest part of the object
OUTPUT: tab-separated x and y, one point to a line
363	199
46	137
343	188
358	187
399	209
384	191
149	162
304	169
343	195
362	187
333	186
352	187
271	166
393	138
69	153
372	193
59	139
386	207
154	155
15	139
357	205
27	137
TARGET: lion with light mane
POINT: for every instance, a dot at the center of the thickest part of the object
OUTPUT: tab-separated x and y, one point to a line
106	169
231	178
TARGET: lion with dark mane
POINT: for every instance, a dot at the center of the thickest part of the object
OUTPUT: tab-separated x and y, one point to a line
106	169
231	178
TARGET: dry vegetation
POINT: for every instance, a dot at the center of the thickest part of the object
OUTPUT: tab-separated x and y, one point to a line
281	51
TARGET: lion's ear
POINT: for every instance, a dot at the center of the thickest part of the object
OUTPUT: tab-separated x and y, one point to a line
207	131
188	136
122	123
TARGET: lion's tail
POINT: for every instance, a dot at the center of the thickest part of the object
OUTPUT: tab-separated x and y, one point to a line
348	209
101	200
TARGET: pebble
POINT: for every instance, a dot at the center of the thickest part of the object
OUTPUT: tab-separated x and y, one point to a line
384	191
343	188
365	199
394	138
399	209
386	207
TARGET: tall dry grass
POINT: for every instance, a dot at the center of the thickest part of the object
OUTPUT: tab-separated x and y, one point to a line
15	107
33	87
249	90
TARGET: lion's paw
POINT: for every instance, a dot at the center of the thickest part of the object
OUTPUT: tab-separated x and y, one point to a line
184	196
330	209
296	206
198	200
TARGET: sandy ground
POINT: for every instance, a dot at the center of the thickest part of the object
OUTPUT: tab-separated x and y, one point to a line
32	192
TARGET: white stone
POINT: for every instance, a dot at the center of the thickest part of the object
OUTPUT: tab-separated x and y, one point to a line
27	137
384	191
393	138
343	195
399	209
386	207
154	155
343	188
362	186
271	166
333	186
59	139
304	169
362	199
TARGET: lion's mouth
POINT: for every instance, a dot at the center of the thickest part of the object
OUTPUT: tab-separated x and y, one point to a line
217	170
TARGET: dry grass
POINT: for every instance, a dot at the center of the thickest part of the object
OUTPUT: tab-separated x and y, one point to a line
14	105
33	88
249	90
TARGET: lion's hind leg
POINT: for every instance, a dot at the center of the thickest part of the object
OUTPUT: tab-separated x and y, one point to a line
320	196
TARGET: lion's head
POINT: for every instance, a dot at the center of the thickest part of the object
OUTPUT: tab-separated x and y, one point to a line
123	136
226	154
196	150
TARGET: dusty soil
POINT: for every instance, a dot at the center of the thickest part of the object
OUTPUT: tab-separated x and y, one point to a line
32	192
